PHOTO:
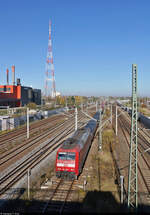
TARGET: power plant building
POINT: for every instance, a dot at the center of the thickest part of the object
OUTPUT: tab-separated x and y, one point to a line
17	95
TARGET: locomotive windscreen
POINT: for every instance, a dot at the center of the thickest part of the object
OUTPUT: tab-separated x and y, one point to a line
66	156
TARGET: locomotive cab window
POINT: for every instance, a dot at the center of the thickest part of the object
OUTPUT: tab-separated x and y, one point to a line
61	156
70	156
66	156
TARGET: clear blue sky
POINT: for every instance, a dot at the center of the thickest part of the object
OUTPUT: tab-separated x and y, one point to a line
95	43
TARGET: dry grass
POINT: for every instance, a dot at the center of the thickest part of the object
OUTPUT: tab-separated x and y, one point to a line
145	111
103	195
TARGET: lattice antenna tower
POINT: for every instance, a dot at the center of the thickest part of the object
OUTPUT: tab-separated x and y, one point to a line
132	178
50	74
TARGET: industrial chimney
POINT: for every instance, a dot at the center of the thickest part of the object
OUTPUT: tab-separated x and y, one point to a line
7	73
13	74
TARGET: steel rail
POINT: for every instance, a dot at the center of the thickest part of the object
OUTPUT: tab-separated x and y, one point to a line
29	165
57	135
66	193
33	141
142	162
28	144
22	131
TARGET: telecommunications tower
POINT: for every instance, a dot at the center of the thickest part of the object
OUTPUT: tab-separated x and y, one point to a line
50	68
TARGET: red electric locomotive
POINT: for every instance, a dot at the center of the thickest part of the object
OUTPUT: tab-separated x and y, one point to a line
71	155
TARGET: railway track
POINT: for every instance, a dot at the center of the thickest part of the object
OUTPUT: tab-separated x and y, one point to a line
24	146
143	160
58	197
20	133
15	172
58	131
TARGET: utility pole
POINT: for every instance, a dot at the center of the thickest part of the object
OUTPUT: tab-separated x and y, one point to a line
66	104
87	107
116	122
82	106
132	177
122	185
96	106
111	112
29	173
100	132
27	123
76	119
8	110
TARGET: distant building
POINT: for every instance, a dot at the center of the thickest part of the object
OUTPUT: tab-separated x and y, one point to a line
15	95
58	93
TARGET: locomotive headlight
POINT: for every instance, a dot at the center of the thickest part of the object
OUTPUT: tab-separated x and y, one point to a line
60	164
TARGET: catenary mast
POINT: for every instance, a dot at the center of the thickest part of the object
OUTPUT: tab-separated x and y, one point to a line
132	180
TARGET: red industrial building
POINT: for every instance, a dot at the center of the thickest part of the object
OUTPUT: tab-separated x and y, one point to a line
17	95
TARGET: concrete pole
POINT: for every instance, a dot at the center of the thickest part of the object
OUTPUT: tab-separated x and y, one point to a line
27	123
76	119
84	183
100	134
116	122
7	110
66	105
96	106
104	107
122	185
28	183
87	107
111	113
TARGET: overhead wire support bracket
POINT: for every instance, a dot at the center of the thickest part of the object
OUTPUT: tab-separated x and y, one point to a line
88	116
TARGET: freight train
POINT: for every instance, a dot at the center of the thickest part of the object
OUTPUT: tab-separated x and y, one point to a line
140	117
72	154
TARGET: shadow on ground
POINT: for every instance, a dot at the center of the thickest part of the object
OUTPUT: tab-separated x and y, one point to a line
95	202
